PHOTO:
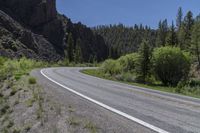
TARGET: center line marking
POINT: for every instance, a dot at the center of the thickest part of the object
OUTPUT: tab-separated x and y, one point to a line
145	124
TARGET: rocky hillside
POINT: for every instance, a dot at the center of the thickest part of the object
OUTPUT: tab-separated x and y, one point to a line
34	28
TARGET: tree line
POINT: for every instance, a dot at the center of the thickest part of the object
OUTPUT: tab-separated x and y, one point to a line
184	33
169	55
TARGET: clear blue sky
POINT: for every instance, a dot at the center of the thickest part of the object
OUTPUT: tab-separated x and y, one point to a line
128	12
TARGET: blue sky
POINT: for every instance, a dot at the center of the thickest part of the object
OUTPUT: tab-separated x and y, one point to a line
128	12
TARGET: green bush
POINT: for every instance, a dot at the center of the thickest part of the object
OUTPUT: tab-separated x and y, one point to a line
111	67
17	68
171	65
32	80
128	62
194	82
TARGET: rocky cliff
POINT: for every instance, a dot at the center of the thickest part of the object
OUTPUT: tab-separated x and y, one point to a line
34	29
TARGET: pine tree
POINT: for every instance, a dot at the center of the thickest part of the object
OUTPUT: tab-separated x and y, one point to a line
186	30
70	47
143	66
78	52
195	48
179	18
172	38
188	21
162	33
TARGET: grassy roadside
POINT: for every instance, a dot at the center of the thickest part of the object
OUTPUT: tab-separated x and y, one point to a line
20	93
98	73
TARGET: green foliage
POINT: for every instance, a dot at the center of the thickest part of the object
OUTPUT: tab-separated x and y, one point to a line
143	62
111	67
128	62
4	109
162	33
32	80
17	68
179	18
194	82
195	47
91	127
185	31
171	65
70	47
172	37
122	40
127	77
13	92
78	52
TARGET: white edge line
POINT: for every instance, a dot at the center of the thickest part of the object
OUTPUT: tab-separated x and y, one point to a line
154	128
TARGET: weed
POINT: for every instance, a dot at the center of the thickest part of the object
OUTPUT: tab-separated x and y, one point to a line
29	102
73	121
32	80
17	76
4	109
71	109
91	127
1	94
6	118
16	130
16	102
27	127
10	124
13	92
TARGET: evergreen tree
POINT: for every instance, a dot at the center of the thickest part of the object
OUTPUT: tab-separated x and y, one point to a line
196	41
78	52
181	37
162	33
188	21
70	47
186	30
179	18
172	38
143	66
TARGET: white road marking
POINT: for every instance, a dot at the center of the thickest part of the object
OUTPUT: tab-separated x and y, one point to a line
145	124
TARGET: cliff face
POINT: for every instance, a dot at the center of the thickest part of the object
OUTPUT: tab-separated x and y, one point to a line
33	28
31	12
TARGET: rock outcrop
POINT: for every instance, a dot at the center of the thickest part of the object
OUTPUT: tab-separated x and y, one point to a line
34	29
15	41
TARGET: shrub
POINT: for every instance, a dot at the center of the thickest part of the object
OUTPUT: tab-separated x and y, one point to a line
32	80
111	67
194	82
171	65
128	62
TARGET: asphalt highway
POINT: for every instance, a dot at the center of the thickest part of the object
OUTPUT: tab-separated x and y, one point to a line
159	111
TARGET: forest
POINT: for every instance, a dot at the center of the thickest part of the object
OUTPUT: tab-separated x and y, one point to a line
167	57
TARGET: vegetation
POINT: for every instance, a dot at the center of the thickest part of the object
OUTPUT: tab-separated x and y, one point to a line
168	56
143	62
123	40
171	65
169	71
17	67
32	80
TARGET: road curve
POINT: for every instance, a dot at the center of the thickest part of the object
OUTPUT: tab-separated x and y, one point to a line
162	112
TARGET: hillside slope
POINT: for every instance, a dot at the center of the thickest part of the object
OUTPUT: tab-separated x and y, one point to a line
34	29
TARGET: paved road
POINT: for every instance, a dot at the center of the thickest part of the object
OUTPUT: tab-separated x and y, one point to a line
169	112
